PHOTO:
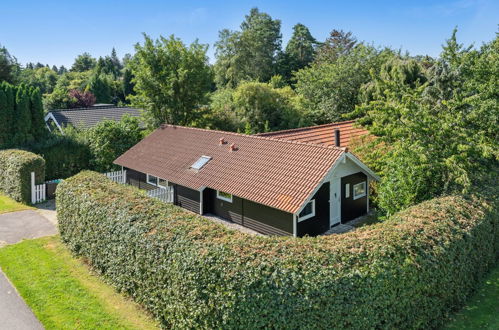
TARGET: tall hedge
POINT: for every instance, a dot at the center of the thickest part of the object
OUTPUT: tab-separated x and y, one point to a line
15	173
407	272
64	155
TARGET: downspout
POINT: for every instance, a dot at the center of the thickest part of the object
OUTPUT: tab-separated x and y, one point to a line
295	226
201	200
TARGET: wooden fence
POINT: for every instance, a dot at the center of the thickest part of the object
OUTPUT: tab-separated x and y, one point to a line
38	191
117	176
163	194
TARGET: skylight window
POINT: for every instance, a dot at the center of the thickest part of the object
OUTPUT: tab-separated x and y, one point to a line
200	162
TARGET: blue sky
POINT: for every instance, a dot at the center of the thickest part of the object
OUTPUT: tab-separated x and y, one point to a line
54	32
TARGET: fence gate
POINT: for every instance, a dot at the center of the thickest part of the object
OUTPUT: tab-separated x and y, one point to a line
38	191
163	194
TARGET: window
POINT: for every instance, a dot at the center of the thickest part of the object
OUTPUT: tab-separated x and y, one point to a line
152	180
308	211
224	196
200	162
162	183
359	190
347	190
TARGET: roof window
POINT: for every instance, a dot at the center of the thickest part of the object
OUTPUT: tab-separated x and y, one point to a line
200	162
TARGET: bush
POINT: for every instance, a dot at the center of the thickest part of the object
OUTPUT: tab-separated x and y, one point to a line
15	173
64	156
407	272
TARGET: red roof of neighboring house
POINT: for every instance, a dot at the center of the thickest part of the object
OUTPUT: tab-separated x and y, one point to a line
321	134
280	174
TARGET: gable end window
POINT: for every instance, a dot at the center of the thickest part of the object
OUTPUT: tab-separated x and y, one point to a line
308	211
359	190
224	196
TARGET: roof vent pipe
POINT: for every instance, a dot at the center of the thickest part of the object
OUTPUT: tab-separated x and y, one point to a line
336	137
222	141
233	147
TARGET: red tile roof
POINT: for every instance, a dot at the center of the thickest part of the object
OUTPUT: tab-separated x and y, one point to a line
321	134
276	173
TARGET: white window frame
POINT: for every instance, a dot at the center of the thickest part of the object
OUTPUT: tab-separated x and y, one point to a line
227	199
365	190
310	215
347	190
148	181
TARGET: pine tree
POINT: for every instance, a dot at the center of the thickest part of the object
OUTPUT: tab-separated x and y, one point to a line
22	117
6	114
99	86
300	50
36	107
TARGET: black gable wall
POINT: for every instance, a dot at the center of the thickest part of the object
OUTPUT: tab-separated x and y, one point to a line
320	222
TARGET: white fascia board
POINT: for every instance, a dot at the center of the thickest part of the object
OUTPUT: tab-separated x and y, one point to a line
49	116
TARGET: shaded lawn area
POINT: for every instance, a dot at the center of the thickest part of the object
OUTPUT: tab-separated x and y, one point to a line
482	310
7	204
62	291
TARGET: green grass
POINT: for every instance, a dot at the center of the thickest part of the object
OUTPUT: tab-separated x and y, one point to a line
7	204
62	291
482	310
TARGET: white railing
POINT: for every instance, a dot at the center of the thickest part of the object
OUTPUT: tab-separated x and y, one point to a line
163	194
38	191
117	176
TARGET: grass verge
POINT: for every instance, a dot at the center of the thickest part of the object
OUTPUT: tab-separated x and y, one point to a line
63	292
7	204
482	310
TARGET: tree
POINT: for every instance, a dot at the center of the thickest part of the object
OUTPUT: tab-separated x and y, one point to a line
81	99
9	67
22	121
110	139
331	90
171	80
440	124
43	78
6	114
83	62
338	43
38	128
249	54
300	51
100	87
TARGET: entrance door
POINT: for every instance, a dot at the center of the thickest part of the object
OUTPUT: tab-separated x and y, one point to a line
335	202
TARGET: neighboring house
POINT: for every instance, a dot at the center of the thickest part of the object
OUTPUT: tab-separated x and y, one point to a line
273	186
87	117
322	134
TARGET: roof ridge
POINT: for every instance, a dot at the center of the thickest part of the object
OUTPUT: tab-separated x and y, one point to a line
260	137
306	127
93	108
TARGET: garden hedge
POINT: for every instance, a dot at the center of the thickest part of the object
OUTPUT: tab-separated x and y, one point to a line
407	272
15	173
64	156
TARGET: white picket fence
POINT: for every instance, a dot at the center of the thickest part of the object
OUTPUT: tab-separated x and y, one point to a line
163	194
38	191
117	176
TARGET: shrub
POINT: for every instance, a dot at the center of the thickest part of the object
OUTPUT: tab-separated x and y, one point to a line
64	156
408	271
15	173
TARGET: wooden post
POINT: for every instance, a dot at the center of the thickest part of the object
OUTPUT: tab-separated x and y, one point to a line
33	192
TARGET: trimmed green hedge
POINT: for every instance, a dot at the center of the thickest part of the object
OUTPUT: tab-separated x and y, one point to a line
407	272
64	156
15	173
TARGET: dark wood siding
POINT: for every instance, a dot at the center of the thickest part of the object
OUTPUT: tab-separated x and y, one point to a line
138	179
187	198
320	222
227	210
350	208
267	220
258	217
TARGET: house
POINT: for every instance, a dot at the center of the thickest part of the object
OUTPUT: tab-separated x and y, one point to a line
87	117
273	186
321	134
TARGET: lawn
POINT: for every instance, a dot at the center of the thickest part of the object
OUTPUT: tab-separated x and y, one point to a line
482	310
7	204
63	292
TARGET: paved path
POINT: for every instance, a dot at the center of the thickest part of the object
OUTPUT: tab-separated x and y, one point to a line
14	227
